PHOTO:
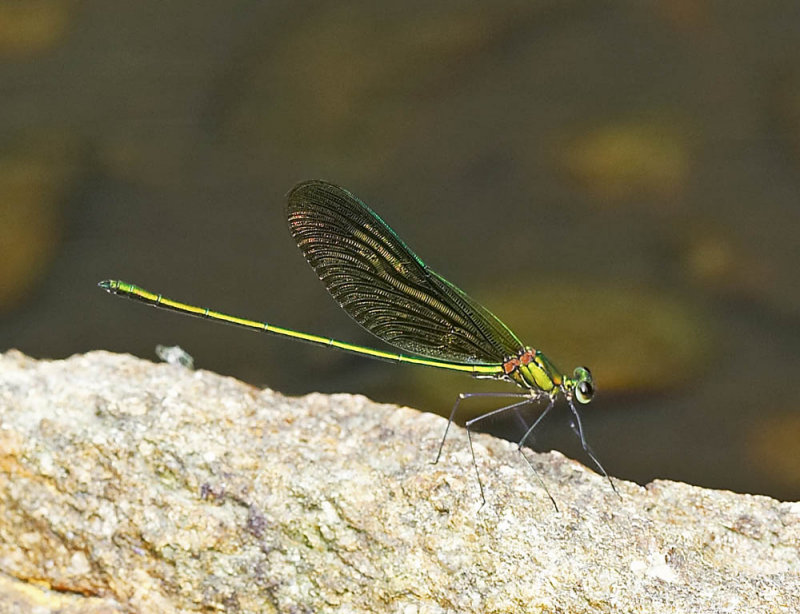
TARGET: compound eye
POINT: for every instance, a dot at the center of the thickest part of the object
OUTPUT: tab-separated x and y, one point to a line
584	391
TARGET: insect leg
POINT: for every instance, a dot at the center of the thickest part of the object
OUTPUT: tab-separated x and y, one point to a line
469	424
521	443
577	427
469	395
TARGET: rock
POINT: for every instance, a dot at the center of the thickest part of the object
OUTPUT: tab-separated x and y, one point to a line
138	487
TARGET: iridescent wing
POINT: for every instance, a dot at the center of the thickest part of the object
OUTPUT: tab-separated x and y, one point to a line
385	287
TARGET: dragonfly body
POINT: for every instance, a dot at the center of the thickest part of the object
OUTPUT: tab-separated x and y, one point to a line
385	287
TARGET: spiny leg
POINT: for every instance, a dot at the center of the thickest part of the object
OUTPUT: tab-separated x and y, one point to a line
494	412
577	428
521	443
469	395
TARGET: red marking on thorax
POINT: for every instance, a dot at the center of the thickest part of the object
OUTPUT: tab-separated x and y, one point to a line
514	363
511	365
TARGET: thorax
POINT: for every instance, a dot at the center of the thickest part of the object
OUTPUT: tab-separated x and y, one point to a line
532	369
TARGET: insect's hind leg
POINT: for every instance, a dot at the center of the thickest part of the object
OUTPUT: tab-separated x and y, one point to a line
470	423
470	395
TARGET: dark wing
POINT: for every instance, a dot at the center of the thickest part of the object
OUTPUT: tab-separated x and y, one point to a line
385	287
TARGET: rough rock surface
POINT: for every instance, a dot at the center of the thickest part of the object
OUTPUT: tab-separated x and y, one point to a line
132	487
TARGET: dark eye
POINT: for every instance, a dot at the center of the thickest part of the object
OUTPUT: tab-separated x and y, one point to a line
584	391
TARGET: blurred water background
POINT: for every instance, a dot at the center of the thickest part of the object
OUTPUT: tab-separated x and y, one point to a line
618	181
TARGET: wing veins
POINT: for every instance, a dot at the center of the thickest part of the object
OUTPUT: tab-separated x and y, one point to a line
385	286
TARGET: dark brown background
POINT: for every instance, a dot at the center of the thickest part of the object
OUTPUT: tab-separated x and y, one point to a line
618	181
